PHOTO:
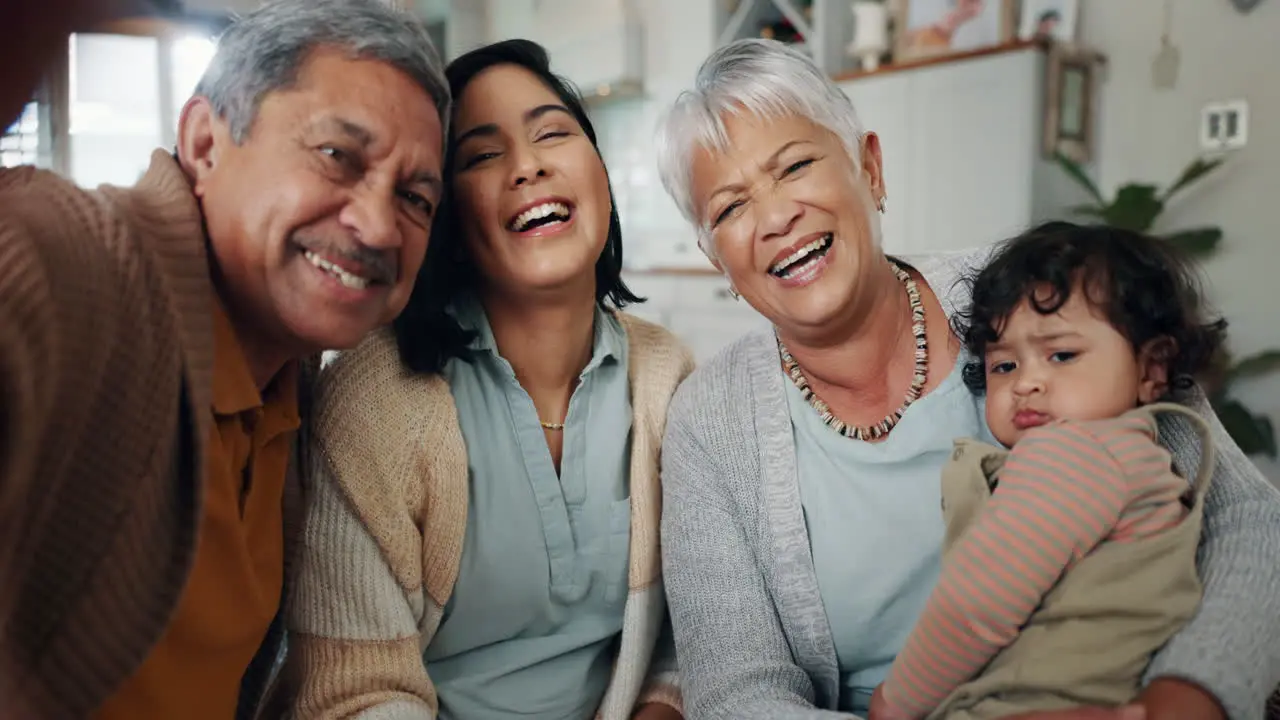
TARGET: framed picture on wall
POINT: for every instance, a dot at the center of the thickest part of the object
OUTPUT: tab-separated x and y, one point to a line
1069	107
928	28
1049	20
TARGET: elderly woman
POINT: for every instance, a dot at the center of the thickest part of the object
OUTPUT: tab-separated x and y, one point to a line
801	530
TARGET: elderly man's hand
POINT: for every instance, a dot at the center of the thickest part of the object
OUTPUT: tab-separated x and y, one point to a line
40	33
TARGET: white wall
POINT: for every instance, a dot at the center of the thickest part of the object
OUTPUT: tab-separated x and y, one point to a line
1150	134
678	35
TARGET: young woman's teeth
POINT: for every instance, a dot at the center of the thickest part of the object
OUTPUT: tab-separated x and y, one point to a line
802	257
355	282
543	214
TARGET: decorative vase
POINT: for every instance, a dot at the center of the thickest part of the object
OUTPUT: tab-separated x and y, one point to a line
870	33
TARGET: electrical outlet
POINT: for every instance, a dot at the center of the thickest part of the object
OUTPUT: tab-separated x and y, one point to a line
1224	125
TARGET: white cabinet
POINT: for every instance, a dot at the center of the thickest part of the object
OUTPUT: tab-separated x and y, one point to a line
962	158
882	105
696	307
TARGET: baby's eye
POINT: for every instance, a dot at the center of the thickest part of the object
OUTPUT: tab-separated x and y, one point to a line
1063	356
1002	368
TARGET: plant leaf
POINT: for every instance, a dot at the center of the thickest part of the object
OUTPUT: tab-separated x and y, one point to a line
1257	364
1197	242
1136	207
1268	435
1191	173
1253	434
1093	210
1078	174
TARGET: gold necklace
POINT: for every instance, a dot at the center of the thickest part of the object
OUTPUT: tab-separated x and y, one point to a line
882	428
551	426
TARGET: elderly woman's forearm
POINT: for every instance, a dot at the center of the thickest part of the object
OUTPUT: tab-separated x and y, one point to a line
1232	647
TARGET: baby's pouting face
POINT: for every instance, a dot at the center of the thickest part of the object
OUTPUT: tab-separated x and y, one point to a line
1068	365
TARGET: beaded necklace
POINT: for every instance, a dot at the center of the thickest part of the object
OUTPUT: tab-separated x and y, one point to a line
882	428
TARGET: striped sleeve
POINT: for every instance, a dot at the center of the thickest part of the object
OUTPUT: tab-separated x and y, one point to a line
354	643
1060	493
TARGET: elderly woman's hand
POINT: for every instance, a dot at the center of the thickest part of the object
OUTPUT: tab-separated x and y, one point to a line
656	711
1128	712
1164	699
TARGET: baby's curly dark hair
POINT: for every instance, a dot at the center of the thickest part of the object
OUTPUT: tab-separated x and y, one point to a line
1143	285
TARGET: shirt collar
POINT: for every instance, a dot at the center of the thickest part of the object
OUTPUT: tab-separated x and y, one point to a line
608	341
234	390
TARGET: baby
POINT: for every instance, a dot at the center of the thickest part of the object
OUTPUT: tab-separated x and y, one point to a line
1069	558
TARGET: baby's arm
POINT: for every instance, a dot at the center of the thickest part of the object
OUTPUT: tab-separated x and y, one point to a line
1060	493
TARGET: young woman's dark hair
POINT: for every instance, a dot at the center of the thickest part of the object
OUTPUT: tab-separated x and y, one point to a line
1143	286
425	333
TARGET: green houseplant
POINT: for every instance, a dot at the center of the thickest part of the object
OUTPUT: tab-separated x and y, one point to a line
1137	206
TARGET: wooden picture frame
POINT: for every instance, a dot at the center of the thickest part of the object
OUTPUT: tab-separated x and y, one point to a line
926	41
1070	85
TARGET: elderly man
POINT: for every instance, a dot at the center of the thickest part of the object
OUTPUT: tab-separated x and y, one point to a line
152	341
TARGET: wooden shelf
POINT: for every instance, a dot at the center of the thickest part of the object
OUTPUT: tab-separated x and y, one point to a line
161	26
1016	46
681	271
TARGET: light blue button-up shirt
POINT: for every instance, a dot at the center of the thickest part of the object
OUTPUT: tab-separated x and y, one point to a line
531	627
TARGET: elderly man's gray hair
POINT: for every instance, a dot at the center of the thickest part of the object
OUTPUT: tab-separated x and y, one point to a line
263	50
759	77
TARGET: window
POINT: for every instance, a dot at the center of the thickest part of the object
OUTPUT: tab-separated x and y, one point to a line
125	94
189	57
20	144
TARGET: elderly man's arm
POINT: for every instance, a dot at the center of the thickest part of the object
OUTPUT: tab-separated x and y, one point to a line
27	382
49	274
1231	649
734	659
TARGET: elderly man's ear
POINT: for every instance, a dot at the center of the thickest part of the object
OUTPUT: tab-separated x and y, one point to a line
37	33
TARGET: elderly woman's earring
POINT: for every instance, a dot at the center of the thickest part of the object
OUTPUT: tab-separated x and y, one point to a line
733	293
880	207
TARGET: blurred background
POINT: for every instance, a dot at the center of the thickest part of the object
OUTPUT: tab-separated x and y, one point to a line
1160	115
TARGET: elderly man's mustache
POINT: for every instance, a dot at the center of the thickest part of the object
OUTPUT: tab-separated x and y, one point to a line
378	266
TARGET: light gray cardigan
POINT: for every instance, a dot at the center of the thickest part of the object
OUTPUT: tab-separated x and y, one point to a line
751	633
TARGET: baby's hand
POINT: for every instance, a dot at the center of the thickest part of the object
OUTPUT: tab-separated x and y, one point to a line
880	708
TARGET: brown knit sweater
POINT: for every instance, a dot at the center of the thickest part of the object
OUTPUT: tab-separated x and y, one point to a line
106	354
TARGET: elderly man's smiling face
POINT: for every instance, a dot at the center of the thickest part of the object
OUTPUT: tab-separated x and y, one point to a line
318	219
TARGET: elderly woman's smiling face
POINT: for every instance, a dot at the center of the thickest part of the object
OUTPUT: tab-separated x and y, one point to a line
791	217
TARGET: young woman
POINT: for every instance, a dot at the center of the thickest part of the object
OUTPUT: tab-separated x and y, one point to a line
483	541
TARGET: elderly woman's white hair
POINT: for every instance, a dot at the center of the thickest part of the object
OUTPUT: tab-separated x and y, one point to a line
764	78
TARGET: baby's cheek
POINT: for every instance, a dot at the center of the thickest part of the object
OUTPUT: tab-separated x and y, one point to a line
999	415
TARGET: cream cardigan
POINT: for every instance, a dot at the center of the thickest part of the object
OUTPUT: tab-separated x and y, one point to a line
384	535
